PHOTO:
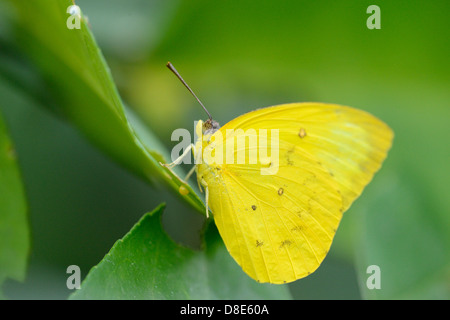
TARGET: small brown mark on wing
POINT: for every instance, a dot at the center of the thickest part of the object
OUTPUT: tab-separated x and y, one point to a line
302	133
297	229
285	243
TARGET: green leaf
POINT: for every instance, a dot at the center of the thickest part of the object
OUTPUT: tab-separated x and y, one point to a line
147	264
85	93
14	232
407	238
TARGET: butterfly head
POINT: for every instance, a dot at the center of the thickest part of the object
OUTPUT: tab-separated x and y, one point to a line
205	129
210	126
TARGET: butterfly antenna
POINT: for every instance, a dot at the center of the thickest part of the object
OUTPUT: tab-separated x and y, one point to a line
172	68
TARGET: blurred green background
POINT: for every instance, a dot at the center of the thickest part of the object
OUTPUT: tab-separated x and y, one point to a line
239	56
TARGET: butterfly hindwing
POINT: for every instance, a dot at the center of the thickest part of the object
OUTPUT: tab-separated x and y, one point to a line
278	228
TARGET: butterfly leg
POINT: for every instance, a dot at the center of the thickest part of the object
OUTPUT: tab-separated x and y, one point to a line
179	159
203	182
199	185
190	173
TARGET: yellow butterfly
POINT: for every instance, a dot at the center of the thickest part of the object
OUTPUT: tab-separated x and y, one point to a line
279	224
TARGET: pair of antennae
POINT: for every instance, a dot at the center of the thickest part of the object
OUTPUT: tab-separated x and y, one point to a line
172	68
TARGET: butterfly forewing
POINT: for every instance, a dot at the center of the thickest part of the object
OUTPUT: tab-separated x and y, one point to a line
349	143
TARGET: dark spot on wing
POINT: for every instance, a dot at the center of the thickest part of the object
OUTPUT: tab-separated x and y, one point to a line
285	243
297	229
302	133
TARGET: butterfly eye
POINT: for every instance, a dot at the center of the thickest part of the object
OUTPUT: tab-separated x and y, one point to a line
207	125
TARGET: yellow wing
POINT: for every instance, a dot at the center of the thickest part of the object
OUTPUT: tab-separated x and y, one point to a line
280	227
